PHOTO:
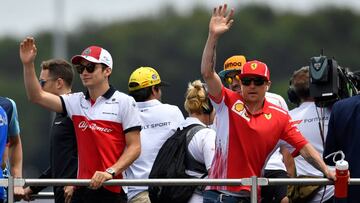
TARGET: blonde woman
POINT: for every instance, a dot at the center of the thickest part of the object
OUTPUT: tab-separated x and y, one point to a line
202	145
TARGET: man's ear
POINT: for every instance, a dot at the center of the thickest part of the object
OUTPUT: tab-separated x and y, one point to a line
59	83
108	71
153	90
268	85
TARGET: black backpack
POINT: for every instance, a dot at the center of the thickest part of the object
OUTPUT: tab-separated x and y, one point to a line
172	160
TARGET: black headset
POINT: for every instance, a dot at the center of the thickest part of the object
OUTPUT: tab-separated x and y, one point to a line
292	96
207	109
295	94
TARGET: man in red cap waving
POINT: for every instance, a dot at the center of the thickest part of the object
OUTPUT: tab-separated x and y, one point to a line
106	121
249	127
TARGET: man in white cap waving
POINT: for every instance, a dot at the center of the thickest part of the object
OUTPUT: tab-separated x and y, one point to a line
106	121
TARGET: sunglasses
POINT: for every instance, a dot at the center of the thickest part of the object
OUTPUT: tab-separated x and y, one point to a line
42	81
90	68
257	81
229	79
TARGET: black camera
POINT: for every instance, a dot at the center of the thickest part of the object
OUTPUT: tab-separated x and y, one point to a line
329	82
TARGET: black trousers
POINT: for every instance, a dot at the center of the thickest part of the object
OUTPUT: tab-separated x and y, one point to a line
274	194
101	195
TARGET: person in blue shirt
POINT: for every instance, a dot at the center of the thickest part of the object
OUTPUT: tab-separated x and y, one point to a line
3	137
12	156
344	134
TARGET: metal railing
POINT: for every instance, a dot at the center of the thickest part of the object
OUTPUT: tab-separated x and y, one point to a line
254	182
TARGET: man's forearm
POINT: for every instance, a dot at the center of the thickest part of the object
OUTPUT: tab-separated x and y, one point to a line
129	155
313	157
16	157
208	60
31	84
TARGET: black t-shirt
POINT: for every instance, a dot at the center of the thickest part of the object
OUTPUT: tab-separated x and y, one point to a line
63	150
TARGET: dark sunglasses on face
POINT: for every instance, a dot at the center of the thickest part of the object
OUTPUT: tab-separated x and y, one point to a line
42	82
258	81
229	79
90	68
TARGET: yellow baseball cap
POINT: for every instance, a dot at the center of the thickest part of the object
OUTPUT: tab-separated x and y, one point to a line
144	77
234	63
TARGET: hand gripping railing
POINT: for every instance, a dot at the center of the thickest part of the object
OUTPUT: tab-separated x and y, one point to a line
254	182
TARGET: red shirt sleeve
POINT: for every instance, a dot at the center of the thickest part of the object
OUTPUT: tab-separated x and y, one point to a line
218	100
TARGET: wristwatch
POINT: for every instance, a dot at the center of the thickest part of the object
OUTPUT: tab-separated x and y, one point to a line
110	171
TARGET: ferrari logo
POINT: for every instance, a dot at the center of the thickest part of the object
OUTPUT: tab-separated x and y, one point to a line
253	66
268	116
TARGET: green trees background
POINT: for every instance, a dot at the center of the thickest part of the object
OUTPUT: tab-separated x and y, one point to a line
173	44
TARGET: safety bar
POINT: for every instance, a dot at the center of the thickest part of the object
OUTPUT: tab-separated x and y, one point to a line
254	182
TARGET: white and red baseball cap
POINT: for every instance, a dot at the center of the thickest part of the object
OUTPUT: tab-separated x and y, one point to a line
94	54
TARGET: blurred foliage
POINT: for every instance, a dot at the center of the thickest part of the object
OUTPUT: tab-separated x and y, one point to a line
173	44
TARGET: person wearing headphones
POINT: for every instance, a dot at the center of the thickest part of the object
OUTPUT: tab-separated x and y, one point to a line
159	122
275	167
312	121
202	145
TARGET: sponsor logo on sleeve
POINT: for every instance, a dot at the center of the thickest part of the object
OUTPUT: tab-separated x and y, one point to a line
3	120
239	109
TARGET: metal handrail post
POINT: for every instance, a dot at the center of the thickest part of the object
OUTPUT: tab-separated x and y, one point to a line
10	195
254	186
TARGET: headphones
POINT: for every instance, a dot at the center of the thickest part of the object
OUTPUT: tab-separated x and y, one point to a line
207	107
301	90
292	96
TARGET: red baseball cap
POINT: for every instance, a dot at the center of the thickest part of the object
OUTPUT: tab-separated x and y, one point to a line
255	68
94	54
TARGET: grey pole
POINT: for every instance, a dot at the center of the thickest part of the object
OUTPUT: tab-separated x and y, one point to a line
254	186
59	32
11	189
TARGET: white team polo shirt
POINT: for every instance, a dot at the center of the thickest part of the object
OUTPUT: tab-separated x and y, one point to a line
100	129
159	122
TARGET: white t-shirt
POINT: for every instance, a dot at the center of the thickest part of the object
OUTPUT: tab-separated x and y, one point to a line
202	145
160	121
307	120
202	148
275	161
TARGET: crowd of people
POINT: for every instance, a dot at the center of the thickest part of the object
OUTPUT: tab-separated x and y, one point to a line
104	134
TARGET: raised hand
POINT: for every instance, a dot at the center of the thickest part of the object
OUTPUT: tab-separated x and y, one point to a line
221	20
28	50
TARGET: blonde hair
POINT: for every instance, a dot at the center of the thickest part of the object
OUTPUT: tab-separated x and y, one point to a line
196	100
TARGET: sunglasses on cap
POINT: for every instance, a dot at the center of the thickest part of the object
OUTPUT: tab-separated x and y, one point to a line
90	68
258	81
229	79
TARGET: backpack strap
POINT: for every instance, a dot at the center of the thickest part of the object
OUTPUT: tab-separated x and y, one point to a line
190	162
